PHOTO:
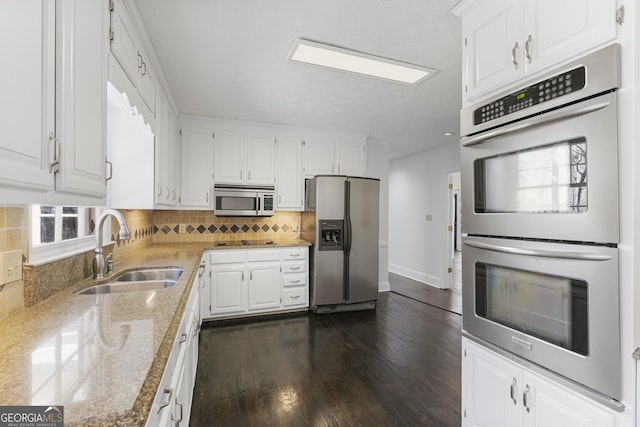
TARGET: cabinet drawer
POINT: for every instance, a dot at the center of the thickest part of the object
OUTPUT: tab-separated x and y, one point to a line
294	267
294	296
294	253
263	255
293	279
225	257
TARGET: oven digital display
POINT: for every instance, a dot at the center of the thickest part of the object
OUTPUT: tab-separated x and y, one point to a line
546	90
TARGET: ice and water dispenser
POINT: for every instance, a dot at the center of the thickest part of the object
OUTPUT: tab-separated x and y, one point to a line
331	234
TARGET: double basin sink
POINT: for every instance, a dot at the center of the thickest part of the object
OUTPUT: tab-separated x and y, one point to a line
149	279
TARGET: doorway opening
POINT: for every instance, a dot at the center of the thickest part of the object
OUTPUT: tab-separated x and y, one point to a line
454	230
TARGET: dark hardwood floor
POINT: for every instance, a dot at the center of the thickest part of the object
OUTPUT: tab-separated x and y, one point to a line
396	366
447	299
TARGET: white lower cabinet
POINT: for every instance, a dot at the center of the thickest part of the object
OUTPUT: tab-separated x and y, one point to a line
498	392
245	282
172	403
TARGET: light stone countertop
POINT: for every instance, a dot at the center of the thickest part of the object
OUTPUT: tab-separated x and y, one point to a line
101	356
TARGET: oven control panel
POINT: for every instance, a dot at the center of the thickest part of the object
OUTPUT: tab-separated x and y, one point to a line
546	90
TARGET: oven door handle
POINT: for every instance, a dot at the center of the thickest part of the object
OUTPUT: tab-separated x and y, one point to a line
564	113
583	256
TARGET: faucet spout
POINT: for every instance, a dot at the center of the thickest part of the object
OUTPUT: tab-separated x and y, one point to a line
124	233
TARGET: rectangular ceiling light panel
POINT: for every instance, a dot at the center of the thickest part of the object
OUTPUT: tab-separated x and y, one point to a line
337	58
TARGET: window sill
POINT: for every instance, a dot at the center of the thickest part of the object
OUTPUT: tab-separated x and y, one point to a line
45	254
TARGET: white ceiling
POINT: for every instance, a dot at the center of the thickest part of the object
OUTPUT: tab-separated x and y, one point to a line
226	58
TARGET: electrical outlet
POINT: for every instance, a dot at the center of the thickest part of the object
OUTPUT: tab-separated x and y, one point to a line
428	217
11	266
294	227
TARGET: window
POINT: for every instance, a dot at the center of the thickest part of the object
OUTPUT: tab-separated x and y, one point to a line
60	231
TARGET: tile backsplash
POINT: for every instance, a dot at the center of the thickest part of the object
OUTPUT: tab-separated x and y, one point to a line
147	227
203	226
13	236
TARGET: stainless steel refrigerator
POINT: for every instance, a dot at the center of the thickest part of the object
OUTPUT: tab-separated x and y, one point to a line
341	221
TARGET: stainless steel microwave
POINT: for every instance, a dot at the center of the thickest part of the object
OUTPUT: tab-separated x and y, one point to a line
240	200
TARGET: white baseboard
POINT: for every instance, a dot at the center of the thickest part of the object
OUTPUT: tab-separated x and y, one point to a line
418	276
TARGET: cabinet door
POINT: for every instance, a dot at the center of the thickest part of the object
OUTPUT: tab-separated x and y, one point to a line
351	158
146	81
289	181
318	157
550	405
261	160
161	152
557	30
264	286
491	389
28	103
229	158
196	159
124	44
81	95
173	157
493	54
228	289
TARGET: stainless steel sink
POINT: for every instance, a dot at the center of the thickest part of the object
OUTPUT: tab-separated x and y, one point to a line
129	286
150	274
149	279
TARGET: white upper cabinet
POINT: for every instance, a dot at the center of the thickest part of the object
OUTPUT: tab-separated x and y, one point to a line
54	99
504	40
229	153
351	158
166	160
28	94
196	168
318	157
244	158
492	55
126	47
327	157
289	179
261	160
559	29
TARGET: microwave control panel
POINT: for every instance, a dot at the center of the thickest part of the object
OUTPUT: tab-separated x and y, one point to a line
546	90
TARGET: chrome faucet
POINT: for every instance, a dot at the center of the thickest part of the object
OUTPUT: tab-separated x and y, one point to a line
98	259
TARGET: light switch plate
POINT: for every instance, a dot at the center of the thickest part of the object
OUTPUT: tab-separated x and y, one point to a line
10	266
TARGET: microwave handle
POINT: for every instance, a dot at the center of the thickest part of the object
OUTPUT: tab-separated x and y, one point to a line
564	113
583	256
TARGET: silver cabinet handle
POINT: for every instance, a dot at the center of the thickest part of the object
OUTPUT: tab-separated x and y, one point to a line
525	398
166	402
241	175
110	175
547	253
338	168
294	268
294	255
177	421
295	297
168	193
513	55
565	113
159	189
144	68
207	197
174	194
139	60
54	154
249	175
279	198
243	276
183	337
513	391
527	48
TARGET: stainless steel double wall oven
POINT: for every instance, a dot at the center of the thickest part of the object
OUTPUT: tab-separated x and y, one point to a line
540	217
